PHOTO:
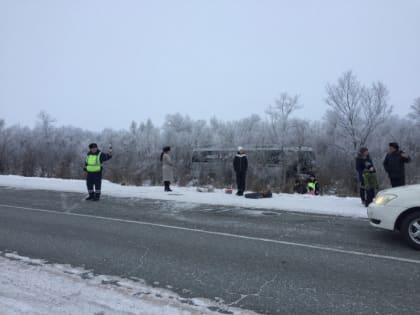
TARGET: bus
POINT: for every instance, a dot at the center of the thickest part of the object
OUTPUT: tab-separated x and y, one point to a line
272	166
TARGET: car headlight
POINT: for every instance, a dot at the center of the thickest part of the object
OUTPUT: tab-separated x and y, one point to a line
384	199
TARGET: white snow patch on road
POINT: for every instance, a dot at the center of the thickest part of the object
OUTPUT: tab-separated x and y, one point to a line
31	286
332	205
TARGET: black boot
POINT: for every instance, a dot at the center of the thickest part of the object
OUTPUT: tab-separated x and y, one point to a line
97	197
91	196
362	192
167	183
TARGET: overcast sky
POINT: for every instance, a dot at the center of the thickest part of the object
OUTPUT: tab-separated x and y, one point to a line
97	64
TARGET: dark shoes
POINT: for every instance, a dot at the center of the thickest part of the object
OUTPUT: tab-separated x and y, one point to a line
93	197
239	193
167	186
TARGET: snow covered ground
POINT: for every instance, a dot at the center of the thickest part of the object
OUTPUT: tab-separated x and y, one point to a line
332	205
31	286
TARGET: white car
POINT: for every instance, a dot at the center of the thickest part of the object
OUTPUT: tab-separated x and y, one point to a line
398	209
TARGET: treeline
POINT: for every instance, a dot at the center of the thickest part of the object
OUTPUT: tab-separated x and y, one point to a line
358	115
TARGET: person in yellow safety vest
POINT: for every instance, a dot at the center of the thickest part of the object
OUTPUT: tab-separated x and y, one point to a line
93	168
313	185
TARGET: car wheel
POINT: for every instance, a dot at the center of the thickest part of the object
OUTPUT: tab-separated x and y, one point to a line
410	228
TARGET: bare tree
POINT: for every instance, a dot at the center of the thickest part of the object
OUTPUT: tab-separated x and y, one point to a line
415	111
279	116
357	110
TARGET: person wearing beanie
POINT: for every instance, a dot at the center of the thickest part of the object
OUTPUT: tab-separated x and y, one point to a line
93	168
394	164
362	159
167	168
240	165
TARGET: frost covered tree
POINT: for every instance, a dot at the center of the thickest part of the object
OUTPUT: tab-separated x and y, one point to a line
279	116
415	111
356	110
46	147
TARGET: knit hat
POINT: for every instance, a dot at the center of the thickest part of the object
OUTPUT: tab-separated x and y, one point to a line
394	145
93	145
240	148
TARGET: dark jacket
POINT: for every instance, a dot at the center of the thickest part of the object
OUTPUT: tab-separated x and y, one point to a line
362	164
104	157
240	163
394	164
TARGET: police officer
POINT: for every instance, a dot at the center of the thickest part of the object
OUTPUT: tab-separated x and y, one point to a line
93	168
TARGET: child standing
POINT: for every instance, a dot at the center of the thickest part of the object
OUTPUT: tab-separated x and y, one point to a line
371	183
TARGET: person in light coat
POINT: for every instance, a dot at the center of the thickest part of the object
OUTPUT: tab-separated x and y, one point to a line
167	168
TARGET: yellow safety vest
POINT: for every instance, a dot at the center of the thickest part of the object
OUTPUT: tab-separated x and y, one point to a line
311	185
93	162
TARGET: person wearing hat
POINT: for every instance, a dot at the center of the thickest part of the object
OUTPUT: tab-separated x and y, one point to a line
363	161
93	168
240	165
167	168
394	164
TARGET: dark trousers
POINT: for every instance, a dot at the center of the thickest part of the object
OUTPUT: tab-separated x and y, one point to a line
93	182
370	194
240	181
362	192
396	182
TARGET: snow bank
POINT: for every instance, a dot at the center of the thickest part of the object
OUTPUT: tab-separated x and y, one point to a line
33	287
332	205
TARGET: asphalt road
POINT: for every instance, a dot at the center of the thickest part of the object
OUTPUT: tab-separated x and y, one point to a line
270	262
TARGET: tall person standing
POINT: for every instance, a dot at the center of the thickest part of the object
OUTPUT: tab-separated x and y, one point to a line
394	164
240	165
93	168
167	168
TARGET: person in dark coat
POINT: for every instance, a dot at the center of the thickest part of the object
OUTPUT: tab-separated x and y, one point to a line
394	164
93	168
240	165
363	161
299	187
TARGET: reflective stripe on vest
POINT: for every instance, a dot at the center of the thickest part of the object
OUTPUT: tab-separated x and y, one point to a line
93	162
